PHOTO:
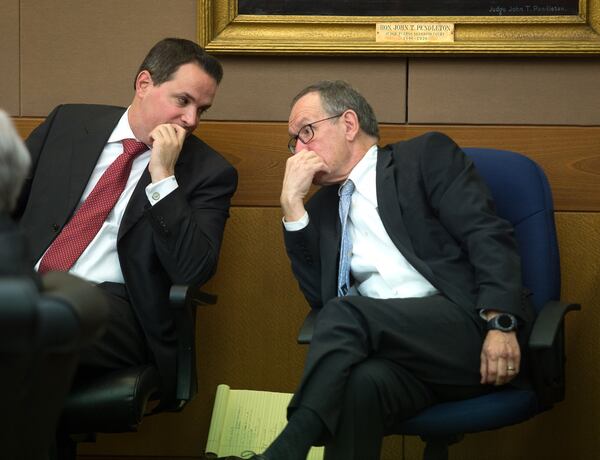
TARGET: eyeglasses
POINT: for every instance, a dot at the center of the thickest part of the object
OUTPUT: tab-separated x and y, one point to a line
306	133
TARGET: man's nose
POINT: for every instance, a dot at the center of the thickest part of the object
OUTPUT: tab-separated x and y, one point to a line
190	117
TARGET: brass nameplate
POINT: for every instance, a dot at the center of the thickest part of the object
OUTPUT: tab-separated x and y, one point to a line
414	32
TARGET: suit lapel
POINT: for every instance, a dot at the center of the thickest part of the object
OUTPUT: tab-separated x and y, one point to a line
389	202
330	243
136	206
390	211
86	150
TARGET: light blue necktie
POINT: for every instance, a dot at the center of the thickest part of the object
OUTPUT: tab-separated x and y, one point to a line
346	245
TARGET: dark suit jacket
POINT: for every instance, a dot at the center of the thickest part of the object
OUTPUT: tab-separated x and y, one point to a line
14	254
176	241
439	214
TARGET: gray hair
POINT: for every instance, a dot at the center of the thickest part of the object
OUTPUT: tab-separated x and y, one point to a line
14	163
337	97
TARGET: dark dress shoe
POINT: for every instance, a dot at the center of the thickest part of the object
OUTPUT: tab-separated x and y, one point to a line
253	456
233	457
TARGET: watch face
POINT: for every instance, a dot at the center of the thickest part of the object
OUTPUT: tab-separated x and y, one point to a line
504	321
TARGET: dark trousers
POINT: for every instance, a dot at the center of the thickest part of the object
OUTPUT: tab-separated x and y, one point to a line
374	363
123	344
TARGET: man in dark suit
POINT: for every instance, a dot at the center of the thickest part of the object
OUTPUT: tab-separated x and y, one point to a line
431	309
166	226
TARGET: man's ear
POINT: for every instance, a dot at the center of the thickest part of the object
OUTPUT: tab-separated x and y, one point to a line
351	123
143	82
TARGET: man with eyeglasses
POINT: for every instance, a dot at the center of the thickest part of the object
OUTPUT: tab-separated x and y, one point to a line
431	308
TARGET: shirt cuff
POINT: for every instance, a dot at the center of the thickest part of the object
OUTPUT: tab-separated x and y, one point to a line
157	191
296	225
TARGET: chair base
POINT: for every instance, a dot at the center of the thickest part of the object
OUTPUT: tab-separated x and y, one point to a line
436	448
65	447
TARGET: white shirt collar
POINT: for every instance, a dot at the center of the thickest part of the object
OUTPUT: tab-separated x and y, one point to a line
363	175
122	130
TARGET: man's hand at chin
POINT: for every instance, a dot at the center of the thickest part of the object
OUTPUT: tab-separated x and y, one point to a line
167	141
300	172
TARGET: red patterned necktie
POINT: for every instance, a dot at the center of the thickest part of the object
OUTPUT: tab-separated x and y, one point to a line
88	219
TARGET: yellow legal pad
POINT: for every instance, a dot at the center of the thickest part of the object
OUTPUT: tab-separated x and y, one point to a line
245	420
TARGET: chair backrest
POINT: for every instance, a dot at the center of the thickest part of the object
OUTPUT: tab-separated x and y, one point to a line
35	365
41	335
527	204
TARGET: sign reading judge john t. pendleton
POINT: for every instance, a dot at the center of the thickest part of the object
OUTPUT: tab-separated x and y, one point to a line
411	32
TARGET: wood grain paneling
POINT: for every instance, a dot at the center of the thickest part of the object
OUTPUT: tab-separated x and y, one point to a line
570	156
89	51
504	91
260	88
9	56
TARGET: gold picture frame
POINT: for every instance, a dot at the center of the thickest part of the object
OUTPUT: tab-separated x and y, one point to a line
221	30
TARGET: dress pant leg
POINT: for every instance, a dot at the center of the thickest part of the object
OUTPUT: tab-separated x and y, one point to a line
433	339
123	344
378	392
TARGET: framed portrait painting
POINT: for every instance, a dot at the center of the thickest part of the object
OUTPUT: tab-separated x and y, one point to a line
422	27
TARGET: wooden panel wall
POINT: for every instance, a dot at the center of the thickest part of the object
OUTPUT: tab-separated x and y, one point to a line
260	88
89	51
9	56
57	51
570	156
504	91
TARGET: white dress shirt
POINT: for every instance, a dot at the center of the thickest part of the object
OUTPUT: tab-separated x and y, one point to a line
379	269
99	261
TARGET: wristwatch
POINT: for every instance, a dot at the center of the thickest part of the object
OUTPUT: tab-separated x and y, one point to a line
504	322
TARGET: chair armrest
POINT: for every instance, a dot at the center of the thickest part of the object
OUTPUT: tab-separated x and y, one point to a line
547	353
548	323
194	295
113	402
183	301
308	326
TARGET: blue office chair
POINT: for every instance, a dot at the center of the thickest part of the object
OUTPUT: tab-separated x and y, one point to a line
523	197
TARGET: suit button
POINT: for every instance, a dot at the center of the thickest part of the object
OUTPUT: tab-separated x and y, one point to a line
55	227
